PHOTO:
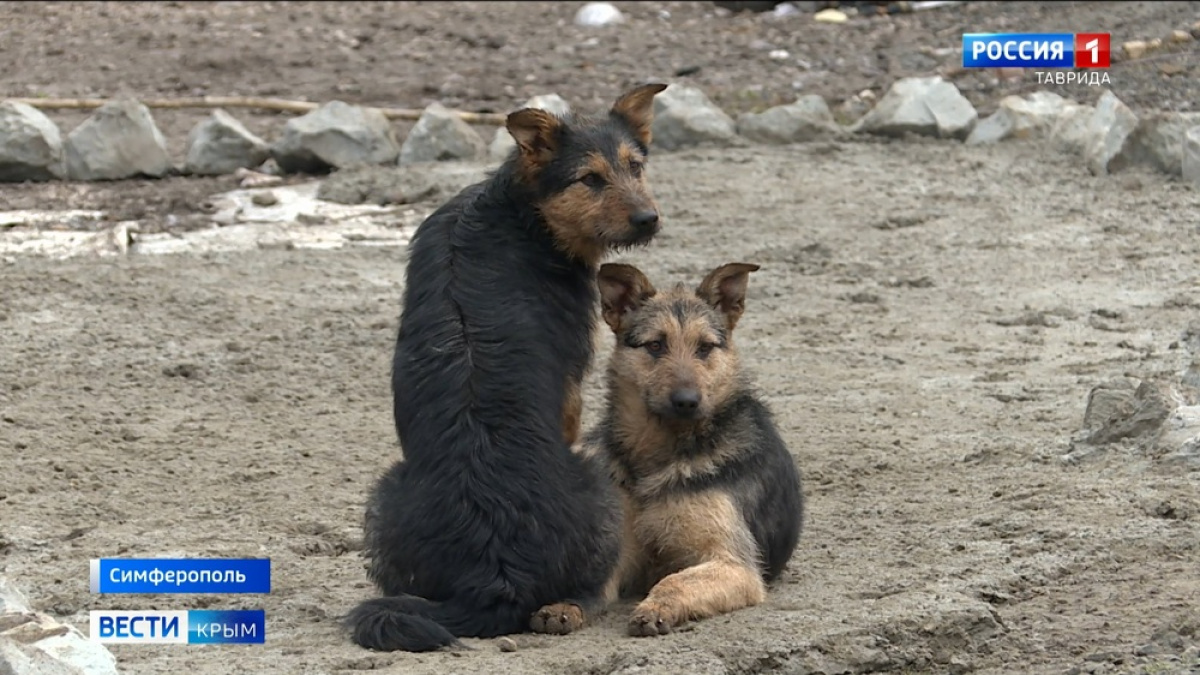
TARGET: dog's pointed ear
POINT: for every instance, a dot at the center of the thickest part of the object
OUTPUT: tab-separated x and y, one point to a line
536	134
622	288
636	108
725	289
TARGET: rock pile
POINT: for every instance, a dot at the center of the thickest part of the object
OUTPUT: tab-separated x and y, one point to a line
120	140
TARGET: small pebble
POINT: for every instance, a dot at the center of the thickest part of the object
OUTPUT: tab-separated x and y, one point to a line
264	199
830	16
506	644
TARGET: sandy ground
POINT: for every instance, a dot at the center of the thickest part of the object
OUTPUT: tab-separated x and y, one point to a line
238	405
927	324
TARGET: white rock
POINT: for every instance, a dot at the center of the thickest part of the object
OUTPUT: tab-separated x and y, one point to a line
806	119
503	143
598	14
221	145
34	643
1182	427
440	135
831	15
18	659
1020	117
929	106
31	146
683	117
11	598
75	649
1071	130
1190	163
1110	127
335	136
119	140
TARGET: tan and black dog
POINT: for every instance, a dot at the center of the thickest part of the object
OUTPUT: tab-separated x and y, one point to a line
713	501
490	524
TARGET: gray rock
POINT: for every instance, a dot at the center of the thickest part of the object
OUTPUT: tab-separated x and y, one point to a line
399	184
1108	403
1141	420
684	117
335	136
929	106
31	146
1190	162
1158	142
808	118
503	143
35	643
1020	118
220	145
1110	127
119	140
440	135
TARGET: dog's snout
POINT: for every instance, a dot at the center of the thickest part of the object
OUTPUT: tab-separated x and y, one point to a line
643	220
685	402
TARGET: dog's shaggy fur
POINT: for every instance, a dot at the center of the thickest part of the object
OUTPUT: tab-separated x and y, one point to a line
713	506
490	516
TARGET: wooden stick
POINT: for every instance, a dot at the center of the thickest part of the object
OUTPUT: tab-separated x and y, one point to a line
275	104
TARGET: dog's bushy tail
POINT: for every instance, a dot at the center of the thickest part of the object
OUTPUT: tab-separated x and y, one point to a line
399	623
413	624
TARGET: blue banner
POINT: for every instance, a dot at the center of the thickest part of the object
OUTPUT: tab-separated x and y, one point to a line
181	575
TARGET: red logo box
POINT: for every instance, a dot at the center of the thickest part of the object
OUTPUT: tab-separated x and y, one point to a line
1092	50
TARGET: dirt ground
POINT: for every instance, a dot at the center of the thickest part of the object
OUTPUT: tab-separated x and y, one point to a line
927	324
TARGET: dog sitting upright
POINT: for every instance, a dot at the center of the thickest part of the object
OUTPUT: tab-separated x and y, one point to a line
712	499
490	516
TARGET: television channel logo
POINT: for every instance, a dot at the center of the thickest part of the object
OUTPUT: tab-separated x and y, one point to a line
1037	50
174	627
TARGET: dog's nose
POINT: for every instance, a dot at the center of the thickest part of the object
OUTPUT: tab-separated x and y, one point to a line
643	220
685	401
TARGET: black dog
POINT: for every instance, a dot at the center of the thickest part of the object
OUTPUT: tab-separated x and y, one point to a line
490	516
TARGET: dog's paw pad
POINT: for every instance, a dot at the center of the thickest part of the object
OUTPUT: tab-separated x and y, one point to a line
647	622
557	619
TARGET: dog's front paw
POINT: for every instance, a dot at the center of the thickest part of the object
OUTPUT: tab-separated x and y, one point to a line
650	620
557	619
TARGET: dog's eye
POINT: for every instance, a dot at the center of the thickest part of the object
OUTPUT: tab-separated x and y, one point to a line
705	349
655	347
636	169
593	180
